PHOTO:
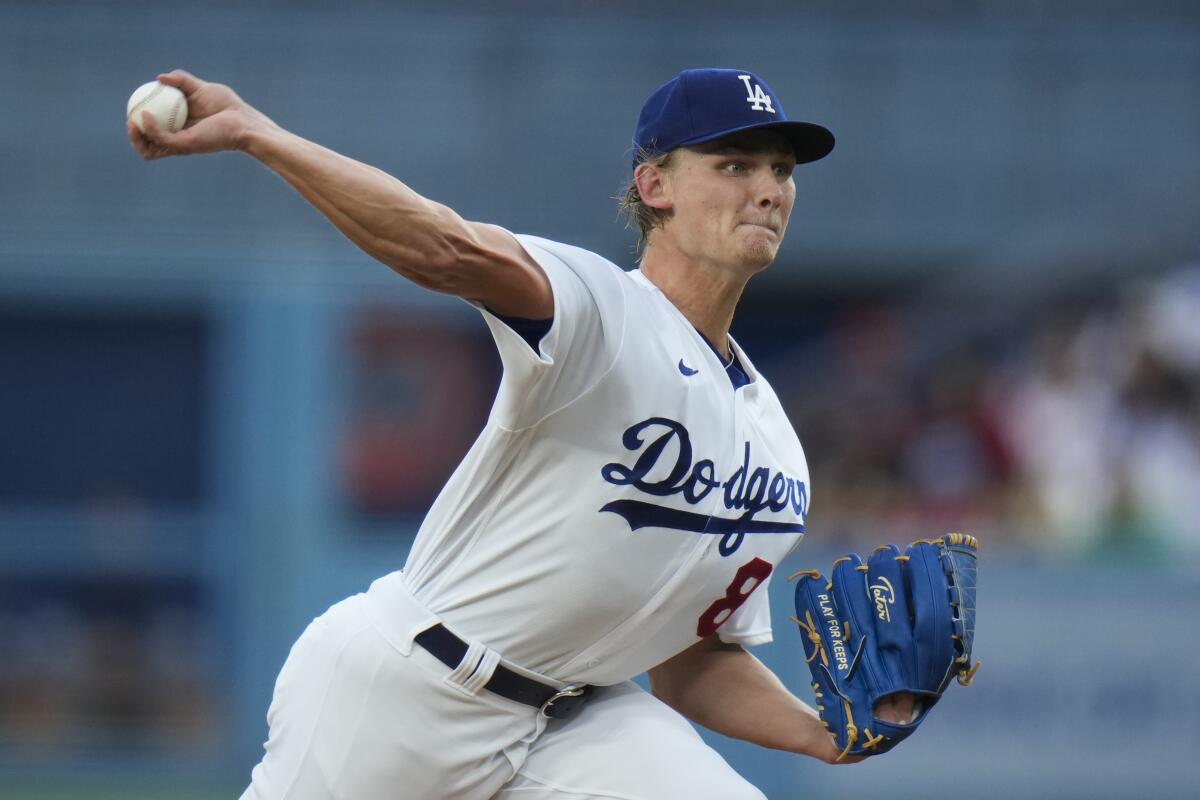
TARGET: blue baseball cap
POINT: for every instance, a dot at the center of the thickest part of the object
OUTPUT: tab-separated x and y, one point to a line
699	105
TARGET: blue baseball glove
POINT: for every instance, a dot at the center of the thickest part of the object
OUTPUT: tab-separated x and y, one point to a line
897	624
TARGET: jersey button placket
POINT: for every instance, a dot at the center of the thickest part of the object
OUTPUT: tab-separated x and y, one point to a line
739	440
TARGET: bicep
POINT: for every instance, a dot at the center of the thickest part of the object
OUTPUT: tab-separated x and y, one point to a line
498	273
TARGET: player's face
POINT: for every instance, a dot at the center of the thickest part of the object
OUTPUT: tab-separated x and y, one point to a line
731	199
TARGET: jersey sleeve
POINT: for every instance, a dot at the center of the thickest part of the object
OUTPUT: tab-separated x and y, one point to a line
581	345
750	625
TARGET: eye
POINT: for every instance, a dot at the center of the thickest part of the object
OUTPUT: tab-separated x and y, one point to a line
733	167
784	170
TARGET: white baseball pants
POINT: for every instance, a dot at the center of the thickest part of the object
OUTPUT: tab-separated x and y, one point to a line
361	713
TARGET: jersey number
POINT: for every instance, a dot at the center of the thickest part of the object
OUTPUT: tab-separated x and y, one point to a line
747	579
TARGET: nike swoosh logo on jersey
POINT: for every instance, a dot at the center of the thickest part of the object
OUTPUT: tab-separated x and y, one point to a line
686	370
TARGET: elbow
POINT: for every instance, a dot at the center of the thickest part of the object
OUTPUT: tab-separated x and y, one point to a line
437	268
439	259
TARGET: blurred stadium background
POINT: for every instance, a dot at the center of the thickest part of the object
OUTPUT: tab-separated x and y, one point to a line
217	417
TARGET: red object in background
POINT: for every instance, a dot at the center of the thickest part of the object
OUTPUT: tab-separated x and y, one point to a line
420	392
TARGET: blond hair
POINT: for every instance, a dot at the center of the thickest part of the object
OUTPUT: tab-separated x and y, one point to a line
638	214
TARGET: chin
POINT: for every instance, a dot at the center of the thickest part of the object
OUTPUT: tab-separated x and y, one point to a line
759	256
758	249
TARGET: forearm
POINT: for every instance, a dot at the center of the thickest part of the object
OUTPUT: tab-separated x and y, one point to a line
422	240
730	691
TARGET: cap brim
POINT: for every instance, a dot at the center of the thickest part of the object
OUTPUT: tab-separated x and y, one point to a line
810	141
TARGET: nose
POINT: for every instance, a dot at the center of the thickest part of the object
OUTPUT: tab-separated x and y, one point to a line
770	193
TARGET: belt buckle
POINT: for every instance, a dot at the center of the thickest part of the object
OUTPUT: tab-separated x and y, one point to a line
575	692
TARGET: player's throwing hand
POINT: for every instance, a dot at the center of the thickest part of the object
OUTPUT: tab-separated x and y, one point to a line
217	120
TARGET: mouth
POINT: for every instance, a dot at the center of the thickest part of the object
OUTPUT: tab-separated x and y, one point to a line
764	226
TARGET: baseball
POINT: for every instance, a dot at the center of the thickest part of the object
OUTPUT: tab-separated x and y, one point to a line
166	103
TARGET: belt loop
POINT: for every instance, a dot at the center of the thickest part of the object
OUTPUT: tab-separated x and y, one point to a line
462	673
483	671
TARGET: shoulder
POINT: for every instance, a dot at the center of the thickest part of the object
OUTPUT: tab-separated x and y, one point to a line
578	276
570	255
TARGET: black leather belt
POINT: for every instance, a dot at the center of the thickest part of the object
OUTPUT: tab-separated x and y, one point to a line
554	703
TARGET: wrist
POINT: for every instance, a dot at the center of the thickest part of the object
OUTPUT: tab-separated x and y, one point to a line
255	134
808	736
820	744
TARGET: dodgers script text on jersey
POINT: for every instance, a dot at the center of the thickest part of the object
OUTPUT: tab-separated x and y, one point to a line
746	488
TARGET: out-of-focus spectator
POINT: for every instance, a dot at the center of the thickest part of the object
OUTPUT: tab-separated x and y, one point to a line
1161	454
1062	420
1161	439
955	459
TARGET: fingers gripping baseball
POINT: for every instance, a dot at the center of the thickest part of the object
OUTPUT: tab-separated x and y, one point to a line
217	119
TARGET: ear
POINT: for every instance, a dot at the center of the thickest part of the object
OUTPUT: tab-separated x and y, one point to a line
654	185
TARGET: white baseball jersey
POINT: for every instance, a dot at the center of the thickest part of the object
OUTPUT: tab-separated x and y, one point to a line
623	500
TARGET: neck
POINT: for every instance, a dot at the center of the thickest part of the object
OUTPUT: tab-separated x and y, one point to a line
705	293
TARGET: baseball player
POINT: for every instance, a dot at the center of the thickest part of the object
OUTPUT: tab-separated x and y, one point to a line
623	510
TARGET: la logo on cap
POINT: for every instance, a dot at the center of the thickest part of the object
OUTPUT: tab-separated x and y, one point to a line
755	96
